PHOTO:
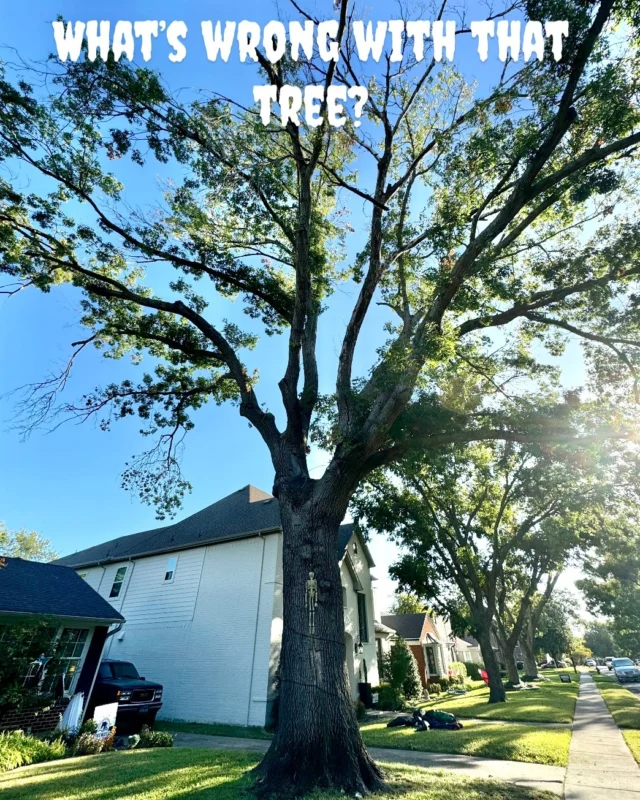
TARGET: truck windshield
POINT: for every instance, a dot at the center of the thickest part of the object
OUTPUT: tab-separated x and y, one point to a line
123	669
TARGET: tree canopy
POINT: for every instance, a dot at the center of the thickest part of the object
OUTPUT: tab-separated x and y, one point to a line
29	545
487	214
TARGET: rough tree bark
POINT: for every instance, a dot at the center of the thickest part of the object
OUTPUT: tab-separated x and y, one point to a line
508	651
528	651
317	742
496	686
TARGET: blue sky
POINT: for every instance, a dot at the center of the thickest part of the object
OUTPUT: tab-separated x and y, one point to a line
66	484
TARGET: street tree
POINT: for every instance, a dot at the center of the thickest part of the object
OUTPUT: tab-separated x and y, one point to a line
554	635
530	626
612	589
478	210
492	520
599	639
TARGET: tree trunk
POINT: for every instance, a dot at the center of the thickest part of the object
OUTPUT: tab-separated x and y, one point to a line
508	653
496	686
317	743
528	656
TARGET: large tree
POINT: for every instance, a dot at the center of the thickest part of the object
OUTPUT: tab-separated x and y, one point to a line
599	639
493	520
471	210
612	589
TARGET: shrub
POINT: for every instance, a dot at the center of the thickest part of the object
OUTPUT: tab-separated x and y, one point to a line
361	711
473	671
149	738
458	671
389	698
402	670
87	745
433	687
90	726
18	749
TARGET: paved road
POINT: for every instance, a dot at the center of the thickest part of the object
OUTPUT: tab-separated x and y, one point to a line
600	763
534	776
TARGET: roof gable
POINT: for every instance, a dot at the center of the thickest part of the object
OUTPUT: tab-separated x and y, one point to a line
413	627
30	587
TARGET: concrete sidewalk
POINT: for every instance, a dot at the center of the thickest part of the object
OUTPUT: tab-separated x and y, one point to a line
534	776
600	763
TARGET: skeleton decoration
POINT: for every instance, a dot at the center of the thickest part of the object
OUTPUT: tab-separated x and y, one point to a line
311	601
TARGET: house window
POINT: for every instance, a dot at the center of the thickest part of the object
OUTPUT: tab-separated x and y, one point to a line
118	581
362	618
431	661
70	649
170	572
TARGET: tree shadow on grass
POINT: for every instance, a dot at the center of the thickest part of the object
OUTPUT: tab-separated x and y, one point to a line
145	774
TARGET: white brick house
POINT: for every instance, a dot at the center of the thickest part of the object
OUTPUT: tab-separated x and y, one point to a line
202	600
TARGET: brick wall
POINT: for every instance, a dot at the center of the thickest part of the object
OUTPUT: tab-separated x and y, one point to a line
34	722
418	652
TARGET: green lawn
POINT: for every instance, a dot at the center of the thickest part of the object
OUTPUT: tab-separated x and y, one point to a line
552	702
632	738
623	705
214	775
506	742
208	729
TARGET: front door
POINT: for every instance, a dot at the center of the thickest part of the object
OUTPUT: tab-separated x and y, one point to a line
431	660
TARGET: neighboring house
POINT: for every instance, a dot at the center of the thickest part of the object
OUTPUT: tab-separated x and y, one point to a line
429	640
467	650
80	616
203	603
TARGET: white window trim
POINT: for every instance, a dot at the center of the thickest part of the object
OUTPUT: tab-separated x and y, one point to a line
70	691
114	582
172	571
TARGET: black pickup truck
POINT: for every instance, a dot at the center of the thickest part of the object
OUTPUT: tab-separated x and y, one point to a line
138	699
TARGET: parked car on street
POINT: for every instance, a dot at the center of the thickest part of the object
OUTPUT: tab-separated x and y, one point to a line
625	670
590	662
138	699
547	665
607	661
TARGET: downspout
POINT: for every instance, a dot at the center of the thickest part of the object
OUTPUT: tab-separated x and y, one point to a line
132	564
255	633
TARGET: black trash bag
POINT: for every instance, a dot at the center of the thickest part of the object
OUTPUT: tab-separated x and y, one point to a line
442	720
400	722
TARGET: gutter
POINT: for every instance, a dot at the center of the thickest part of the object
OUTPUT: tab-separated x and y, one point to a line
191	546
94	620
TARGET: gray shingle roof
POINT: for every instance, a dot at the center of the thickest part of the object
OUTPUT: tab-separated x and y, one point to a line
408	626
244	513
29	587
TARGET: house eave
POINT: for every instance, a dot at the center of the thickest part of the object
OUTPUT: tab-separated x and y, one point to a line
190	546
106	621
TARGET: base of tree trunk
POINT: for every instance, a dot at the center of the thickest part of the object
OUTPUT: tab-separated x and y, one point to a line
531	678
291	772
